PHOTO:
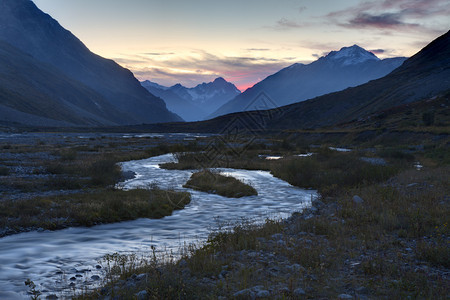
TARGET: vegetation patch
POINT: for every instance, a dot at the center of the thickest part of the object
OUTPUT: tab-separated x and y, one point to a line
215	183
88	209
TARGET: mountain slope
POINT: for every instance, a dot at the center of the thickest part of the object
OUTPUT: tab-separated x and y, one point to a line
35	93
27	28
351	66
196	103
426	74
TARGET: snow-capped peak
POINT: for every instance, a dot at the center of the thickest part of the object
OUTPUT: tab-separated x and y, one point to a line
351	55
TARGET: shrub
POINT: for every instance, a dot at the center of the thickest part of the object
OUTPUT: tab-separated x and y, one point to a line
104	172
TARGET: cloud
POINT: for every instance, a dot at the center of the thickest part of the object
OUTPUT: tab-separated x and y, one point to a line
378	51
258	49
383	21
201	66
158	53
286	24
393	15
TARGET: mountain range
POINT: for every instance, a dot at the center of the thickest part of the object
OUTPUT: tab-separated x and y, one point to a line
50	78
348	67
424	76
196	103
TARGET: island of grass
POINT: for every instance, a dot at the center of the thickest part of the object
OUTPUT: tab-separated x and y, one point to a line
214	183
87	209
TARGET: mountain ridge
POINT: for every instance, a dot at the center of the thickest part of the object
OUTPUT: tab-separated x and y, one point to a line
25	27
195	103
350	66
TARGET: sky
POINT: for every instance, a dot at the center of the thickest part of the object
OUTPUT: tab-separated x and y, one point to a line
190	42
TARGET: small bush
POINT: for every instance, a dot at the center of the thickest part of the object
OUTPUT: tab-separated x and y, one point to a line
104	172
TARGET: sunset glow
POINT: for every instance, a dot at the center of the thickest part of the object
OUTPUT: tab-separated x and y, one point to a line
190	42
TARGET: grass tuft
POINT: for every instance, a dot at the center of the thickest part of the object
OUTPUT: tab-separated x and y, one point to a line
210	182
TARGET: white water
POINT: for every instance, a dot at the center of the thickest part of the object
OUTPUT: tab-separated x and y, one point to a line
50	259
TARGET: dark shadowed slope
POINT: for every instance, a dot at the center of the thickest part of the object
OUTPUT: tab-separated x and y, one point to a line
351	66
37	94
25	27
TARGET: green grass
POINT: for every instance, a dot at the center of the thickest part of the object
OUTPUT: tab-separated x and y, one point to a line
325	171
215	183
101	206
330	170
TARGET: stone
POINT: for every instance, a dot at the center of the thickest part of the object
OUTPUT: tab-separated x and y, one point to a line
277	236
345	296
297	268
142	295
262	294
95	277
244	293
362	290
357	199
299	292
52	297
98	267
141	276
281	243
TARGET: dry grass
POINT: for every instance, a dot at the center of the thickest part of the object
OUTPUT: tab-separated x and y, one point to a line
101	206
215	183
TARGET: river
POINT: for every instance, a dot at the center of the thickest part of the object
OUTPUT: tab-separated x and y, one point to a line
52	258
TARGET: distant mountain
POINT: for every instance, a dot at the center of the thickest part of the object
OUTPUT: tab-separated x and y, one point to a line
350	66
424	76
185	108
119	97
195	103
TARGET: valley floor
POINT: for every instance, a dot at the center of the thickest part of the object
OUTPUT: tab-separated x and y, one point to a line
379	230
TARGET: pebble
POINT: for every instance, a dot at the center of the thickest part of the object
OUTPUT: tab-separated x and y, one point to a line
357	199
142	295
262	294
141	276
299	292
244	293
345	296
